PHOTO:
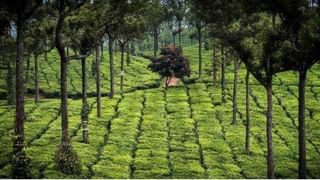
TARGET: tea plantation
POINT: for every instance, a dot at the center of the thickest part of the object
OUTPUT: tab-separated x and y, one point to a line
153	132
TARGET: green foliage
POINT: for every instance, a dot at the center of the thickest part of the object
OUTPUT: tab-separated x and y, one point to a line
206	45
10	85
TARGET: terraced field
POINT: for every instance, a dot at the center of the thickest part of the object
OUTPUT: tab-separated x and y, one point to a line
179	132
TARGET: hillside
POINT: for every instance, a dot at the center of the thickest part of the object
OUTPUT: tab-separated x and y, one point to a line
153	132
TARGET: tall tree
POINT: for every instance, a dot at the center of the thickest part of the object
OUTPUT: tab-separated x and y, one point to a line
130	27
98	79
262	42
117	11
22	10
236	65
299	21
87	33
7	54
214	65
114	13
247	146
194	19
179	17
199	35
175	12
66	158
38	33
223	78
155	15
111	69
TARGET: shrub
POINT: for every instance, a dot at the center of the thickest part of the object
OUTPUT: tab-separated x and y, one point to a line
170	64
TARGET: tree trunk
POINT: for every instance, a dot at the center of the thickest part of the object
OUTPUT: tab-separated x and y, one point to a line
302	138
19	159
122	68
270	170
167	81
128	60
223	80
200	55
98	80
215	66
155	41
36	79
63	83
234	97
27	71
247	148
68	51
66	158
111	67
174	40
85	106
46	53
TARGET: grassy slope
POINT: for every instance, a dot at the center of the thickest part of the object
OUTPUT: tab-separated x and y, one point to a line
184	132
137	75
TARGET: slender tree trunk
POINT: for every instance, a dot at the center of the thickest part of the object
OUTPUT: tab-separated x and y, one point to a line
19	159
270	170
234	97
85	106
247	148
199	50
302	138
155	41
166	82
174	40
111	67
27	71
223	80
68	51
98	80
122	68
128	54
132	48
63	83
36	79
45	50
215	66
